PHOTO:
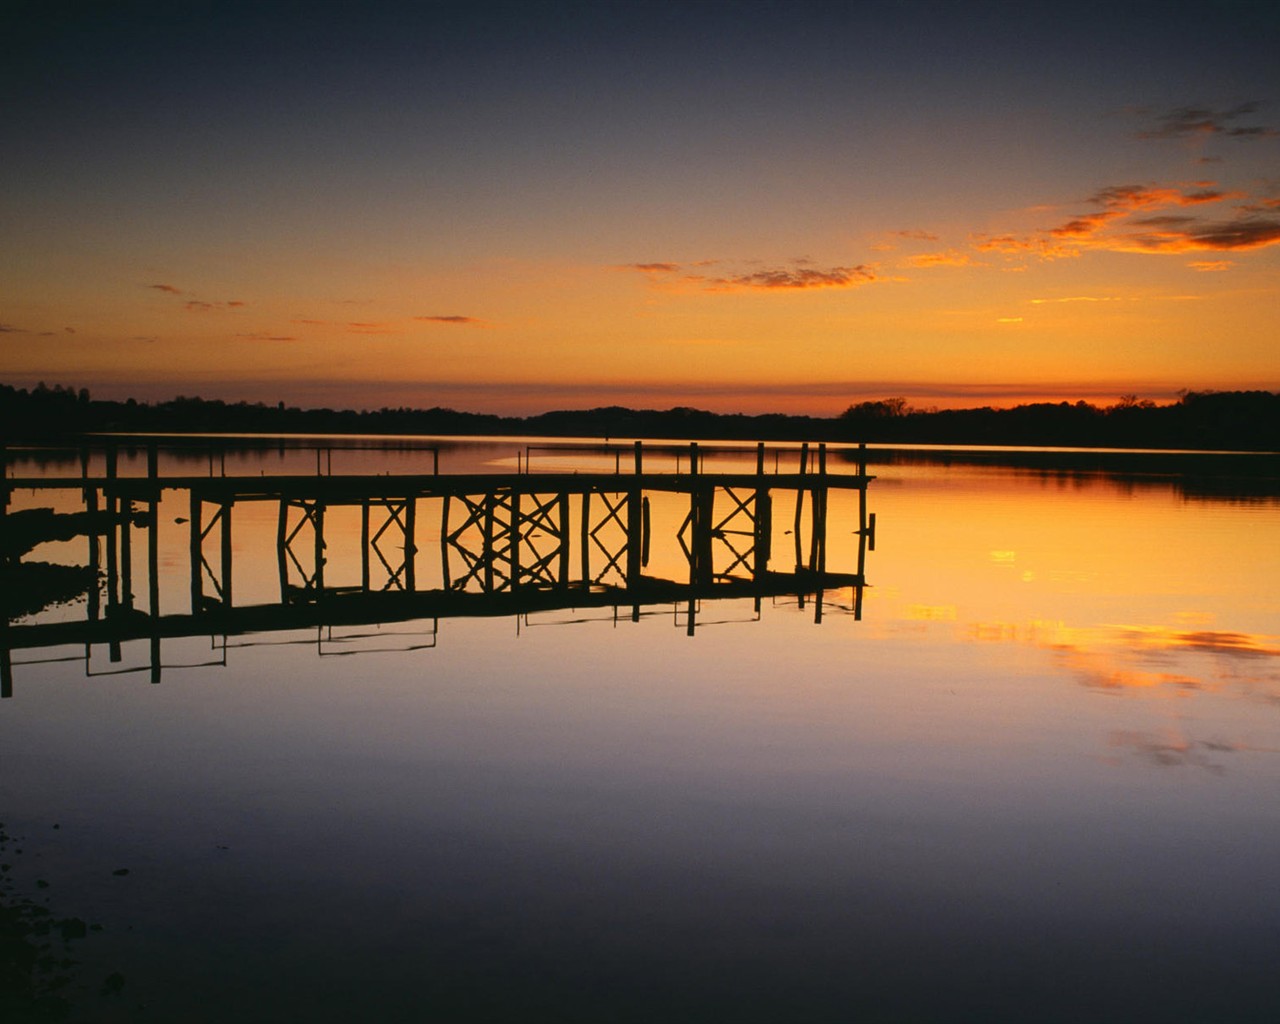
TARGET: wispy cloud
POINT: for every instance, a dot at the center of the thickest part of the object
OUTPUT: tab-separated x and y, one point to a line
945	258
463	321
1193	122
10	329
1211	266
652	268
196	305
1076	298
199	306
794	278
797	276
365	327
267	337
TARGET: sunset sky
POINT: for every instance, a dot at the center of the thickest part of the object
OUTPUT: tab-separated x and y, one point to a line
736	206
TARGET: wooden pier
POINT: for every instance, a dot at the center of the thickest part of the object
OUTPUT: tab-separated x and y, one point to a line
496	544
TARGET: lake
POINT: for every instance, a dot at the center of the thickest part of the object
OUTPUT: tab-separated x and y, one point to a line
1028	772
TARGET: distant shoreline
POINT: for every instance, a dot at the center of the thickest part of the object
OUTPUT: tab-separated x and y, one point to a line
1227	421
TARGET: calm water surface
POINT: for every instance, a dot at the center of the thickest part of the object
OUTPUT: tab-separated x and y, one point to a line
1036	781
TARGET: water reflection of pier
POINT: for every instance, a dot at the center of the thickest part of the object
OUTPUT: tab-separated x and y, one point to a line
491	544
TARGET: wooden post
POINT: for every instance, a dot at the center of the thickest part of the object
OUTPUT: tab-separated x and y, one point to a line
702	500
564	538
91	506
113	510
364	544
410	543
197	577
488	543
586	537
126	553
639	459
444	543
282	558
795	529
153	556
763	533
153	566
226	555
634	543
645	532
318	522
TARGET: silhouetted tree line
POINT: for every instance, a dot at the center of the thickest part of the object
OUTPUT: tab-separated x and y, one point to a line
1245	420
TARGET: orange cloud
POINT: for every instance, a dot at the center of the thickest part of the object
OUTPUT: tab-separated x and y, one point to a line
1114	228
370	328
946	258
166	288
1211	266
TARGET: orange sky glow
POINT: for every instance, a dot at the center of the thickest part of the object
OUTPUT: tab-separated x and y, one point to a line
569	212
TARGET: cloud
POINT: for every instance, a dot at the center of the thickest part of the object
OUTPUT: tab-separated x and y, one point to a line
309	323
452	319
10	329
946	258
919	236
1045	248
1115	228
1076	298
652	268
199	306
1171	220
1211	266
357	327
1214	236
797	278
1126	198
170	289
1204	122
267	337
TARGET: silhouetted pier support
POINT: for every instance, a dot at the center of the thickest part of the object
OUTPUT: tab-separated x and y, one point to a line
507	542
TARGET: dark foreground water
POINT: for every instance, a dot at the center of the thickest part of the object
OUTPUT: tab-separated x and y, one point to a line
1039	780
